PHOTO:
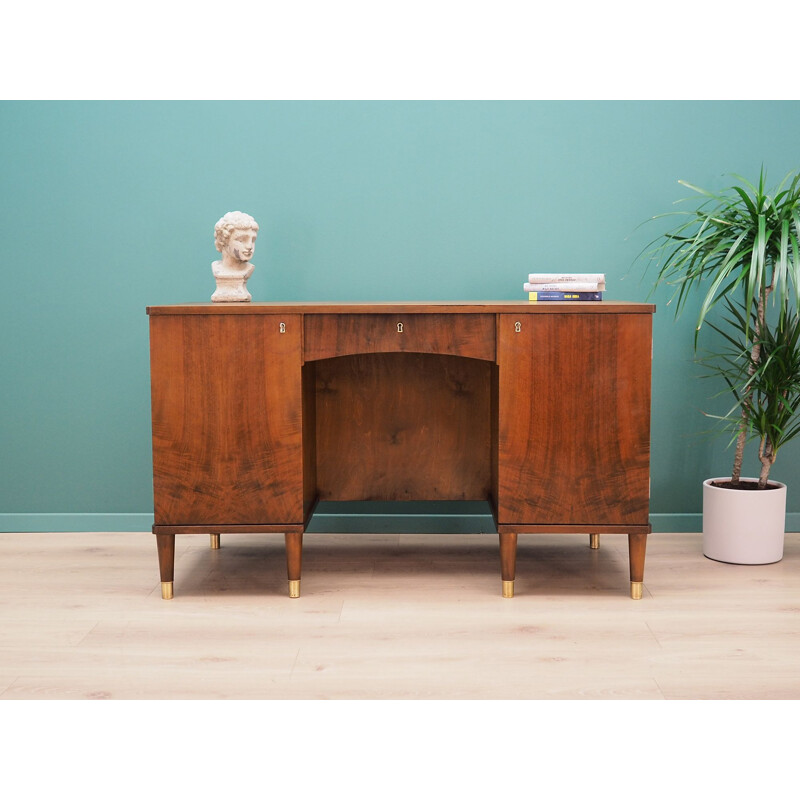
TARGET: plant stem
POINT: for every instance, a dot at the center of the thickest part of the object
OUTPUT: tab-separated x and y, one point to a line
755	355
736	473
767	457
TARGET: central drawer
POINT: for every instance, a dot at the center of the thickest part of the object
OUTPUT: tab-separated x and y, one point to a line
331	335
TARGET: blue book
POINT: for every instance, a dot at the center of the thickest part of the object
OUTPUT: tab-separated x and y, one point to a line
543	297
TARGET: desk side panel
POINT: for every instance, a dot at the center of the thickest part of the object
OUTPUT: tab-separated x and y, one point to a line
227	420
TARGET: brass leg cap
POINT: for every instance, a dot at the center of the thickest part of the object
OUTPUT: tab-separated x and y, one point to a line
636	590
508	588
214	541
594	541
294	588
166	590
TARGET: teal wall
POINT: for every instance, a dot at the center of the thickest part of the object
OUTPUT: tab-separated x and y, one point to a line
107	207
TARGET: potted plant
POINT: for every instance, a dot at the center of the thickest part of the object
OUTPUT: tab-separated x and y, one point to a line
741	245
766	401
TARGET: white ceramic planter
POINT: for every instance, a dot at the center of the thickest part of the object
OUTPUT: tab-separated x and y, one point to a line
743	527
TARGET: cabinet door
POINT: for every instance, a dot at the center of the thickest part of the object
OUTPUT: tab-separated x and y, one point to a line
574	418
227	419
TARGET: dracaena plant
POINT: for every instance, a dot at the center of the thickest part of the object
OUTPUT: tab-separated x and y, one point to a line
739	244
767	394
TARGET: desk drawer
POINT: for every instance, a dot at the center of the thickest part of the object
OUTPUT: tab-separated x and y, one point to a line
330	335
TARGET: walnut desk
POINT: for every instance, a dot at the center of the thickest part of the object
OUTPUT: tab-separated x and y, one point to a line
260	410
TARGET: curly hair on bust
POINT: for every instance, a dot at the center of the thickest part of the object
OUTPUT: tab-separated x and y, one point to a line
233	220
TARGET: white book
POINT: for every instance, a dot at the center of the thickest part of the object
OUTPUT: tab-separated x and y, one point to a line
566	277
566	286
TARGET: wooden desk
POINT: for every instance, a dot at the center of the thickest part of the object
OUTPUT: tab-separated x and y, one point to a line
261	409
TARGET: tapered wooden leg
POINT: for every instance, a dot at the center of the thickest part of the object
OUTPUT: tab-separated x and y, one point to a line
508	562
594	541
637	544
294	561
214	541
165	542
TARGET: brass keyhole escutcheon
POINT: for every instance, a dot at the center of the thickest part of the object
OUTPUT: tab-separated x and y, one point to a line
283	327
399	327
518	327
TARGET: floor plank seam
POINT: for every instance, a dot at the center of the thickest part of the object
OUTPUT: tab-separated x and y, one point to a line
294	664
86	635
653	634
9	688
660	690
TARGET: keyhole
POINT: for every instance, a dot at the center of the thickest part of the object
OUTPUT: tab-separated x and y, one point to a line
517	326
399	327
283	327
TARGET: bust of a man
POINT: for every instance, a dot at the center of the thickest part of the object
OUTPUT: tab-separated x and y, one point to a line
235	237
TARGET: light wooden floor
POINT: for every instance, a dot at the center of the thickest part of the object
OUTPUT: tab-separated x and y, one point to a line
392	617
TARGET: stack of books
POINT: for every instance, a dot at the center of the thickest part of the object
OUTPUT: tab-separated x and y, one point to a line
544	286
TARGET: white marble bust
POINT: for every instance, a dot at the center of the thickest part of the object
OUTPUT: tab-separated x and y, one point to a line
235	237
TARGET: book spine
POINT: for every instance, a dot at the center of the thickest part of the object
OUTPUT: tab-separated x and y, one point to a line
565	287
566	277
544	297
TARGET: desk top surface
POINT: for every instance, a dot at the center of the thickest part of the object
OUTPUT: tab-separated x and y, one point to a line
413	307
